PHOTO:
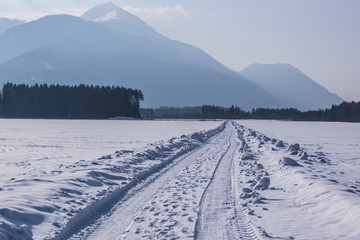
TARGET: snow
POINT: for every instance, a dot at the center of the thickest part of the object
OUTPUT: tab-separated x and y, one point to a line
167	207
50	169
338	142
220	215
167	179
110	16
319	200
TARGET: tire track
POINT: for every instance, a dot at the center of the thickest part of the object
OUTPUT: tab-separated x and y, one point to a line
220	215
167	207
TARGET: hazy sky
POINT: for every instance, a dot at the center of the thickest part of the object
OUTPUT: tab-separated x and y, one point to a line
320	37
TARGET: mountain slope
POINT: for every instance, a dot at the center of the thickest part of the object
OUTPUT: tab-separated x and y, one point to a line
291	85
70	50
119	19
6	23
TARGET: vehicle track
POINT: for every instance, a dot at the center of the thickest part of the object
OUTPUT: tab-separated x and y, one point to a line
220	215
167	206
197	197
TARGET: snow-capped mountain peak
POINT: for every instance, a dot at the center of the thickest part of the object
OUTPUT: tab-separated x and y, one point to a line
119	19
109	12
122	52
112	15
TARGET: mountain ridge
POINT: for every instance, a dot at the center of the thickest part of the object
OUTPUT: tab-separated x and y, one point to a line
6	23
64	49
119	19
290	84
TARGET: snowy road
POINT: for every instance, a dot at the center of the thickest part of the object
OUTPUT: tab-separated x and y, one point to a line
168	207
196	198
230	182
220	215
213	218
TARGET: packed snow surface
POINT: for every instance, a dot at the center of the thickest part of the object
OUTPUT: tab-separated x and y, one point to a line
318	197
179	180
49	169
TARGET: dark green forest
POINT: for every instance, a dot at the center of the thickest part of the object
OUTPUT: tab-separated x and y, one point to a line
100	102
68	102
345	112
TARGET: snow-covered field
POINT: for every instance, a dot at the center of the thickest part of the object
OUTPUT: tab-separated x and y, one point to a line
160	180
319	199
49	169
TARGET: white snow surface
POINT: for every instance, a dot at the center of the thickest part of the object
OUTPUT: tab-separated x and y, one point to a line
187	201
110	16
321	199
50	169
136	180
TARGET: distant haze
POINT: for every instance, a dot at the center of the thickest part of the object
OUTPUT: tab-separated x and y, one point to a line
114	47
290	84
321	38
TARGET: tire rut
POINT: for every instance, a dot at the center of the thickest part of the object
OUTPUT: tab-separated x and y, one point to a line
221	215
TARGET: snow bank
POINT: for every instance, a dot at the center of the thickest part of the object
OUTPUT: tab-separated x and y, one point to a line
43	182
136	167
309	195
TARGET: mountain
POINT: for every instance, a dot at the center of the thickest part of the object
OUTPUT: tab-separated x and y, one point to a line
119	19
291	85
6	23
109	46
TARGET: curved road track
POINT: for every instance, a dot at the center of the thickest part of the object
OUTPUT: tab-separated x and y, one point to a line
197	197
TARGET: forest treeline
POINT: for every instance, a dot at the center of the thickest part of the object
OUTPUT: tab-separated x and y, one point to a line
345	112
68	102
99	102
